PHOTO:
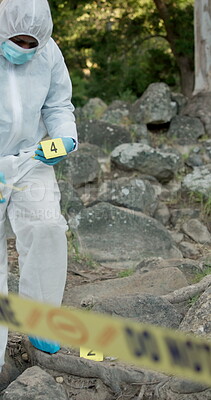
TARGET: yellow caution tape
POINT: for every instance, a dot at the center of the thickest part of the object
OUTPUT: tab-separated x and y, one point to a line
144	345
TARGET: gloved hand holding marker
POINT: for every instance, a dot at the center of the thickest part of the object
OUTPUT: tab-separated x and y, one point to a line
52	151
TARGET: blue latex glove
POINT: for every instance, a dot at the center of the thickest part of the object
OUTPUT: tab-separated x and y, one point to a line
2	180
44	345
69	145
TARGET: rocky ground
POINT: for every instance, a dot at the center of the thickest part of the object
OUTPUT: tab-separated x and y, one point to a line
67	376
136	196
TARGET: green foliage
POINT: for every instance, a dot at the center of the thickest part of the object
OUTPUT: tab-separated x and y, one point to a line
125	273
114	50
193	300
76	255
60	172
201	275
205	202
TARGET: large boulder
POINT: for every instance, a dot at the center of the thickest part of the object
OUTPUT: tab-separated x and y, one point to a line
119	237
103	134
185	130
157	283
198	181
93	109
117	113
141	308
135	194
179	215
197	320
197	231
162	164
180	100
139	133
81	168
92	149
190	268
155	105
199	106
35	383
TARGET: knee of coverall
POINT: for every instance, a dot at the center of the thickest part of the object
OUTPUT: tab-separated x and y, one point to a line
46	220
41	223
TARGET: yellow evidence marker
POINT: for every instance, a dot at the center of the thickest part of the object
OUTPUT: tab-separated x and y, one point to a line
53	148
91	354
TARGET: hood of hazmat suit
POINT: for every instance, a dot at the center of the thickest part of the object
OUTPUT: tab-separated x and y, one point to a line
25	17
35	97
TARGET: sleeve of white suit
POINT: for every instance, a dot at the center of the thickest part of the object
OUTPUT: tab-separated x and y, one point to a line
57	111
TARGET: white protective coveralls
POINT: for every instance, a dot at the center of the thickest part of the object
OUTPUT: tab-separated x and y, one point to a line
34	101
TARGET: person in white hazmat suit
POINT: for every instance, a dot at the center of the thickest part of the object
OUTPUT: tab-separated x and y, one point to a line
35	94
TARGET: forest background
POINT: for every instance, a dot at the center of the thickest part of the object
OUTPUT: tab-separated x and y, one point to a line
114	49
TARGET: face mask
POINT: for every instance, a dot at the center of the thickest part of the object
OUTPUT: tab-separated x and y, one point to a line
16	54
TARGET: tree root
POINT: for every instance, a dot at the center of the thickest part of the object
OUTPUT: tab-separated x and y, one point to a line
187	292
115	376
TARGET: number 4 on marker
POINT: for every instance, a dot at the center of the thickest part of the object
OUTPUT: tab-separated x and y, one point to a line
53	147
91	354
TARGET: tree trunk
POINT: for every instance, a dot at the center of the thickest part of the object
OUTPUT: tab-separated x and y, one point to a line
186	75
183	61
202	24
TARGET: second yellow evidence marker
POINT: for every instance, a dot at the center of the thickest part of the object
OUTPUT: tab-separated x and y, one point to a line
91	354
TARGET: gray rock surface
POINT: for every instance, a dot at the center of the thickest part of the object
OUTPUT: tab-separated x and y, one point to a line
119	237
197	231
92	149
126	233
117	113
114	376
195	158
141	308
198	181
34	383
181	101
136	156
162	214
185	130
177	236
134	194
180	215
190	268
180	389
70	200
198	318
200	106
157	283
81	168
13	283
139	133
9	372
103	134
155	105
93	109
188	250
